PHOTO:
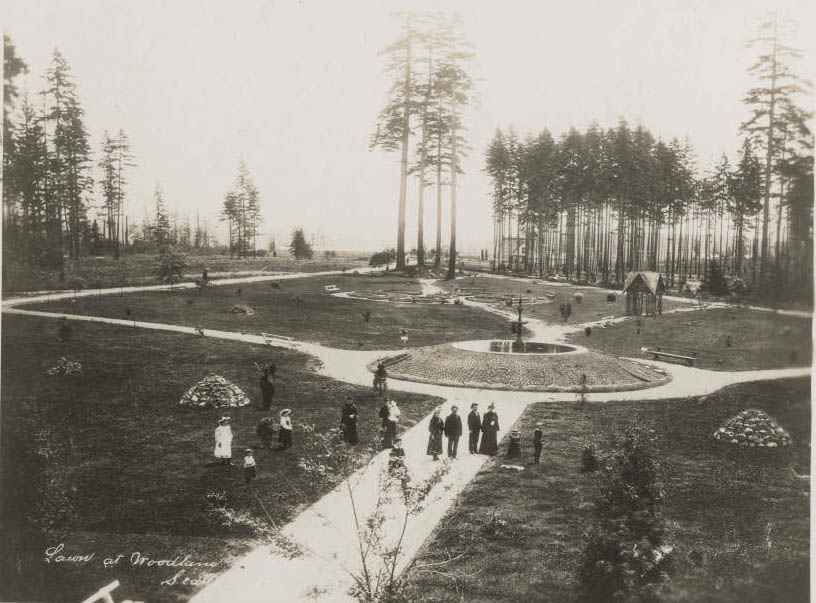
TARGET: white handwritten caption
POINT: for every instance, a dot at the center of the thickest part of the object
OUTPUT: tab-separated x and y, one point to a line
57	555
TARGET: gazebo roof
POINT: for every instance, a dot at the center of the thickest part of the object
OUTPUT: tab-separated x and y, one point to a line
652	280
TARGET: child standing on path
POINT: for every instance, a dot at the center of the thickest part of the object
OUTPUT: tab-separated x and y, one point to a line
537	442
249	466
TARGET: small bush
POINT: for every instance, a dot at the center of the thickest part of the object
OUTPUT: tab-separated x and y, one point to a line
589	458
566	311
588	331
579	297
610	297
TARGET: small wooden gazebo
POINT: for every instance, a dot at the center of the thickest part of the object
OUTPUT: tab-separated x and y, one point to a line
644	293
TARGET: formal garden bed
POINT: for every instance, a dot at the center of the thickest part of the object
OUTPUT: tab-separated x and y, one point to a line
735	519
108	461
299	308
725	338
449	365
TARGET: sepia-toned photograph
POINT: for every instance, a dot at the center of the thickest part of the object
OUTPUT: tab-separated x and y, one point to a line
406	301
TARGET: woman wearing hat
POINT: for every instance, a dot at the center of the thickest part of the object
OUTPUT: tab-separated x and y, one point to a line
348	421
391	424
223	441
285	433
435	428
490	427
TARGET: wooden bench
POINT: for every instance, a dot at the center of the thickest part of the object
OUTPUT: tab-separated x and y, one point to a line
685	354
277	340
331	289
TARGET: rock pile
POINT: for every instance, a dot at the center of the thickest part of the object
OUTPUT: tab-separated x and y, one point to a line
213	391
242	309
754	429
64	367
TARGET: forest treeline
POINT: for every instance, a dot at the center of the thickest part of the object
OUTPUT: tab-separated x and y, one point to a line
63	198
595	205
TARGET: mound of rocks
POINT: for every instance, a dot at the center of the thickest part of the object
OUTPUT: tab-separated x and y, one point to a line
214	391
753	428
242	309
65	367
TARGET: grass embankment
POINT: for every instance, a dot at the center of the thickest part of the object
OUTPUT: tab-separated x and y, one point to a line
593	305
738	518
758	340
318	317
109	462
143	269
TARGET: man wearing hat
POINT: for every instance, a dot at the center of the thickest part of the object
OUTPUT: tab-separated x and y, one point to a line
285	433
537	442
453	431
348	421
223	441
474	427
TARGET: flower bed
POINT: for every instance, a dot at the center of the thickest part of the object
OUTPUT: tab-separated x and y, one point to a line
753	428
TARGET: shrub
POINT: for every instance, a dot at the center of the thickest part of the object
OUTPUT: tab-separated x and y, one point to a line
715	282
589	458
566	310
610	297
624	556
579	297
588	331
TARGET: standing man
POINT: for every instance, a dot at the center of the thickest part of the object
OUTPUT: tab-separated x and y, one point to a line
267	384
537	442
474	427
453	431
348	421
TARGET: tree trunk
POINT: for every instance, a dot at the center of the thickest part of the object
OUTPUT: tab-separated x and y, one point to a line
406	118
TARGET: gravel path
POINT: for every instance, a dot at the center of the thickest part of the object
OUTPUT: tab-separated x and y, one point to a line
325	531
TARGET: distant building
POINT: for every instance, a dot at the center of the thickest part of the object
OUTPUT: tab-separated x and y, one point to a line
644	293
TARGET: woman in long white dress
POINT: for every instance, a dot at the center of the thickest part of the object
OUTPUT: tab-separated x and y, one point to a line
391	424
223	441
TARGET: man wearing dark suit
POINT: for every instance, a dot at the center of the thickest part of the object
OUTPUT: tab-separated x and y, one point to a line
453	431
474	427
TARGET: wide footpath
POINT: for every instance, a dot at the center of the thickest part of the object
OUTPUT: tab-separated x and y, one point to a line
326	532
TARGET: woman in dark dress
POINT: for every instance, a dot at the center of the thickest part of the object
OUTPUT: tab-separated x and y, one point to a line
436	427
490	426
267	384
348	421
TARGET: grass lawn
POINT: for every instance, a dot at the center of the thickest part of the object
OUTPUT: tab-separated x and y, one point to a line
319	317
759	340
123	467
737	517
142	269
593	306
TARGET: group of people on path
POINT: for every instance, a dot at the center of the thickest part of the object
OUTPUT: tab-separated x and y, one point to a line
451	428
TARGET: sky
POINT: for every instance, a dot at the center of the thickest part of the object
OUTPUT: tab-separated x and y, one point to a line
294	88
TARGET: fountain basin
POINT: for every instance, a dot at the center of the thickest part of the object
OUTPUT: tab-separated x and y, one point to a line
509	346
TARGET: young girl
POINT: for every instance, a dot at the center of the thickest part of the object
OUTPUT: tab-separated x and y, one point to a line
285	434
223	441
249	466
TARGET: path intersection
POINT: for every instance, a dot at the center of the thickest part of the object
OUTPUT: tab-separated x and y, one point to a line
325	532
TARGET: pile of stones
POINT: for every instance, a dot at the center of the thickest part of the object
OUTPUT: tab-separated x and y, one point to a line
242	309
214	391
753	428
64	367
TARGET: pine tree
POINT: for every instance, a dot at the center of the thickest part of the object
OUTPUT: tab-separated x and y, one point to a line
298	247
774	109
161	224
394	122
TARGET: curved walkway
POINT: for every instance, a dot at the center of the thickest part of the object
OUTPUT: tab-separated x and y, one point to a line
325	531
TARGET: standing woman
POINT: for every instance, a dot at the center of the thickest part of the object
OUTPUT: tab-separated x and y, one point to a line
348	421
435	427
490	426
223	441
285	433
